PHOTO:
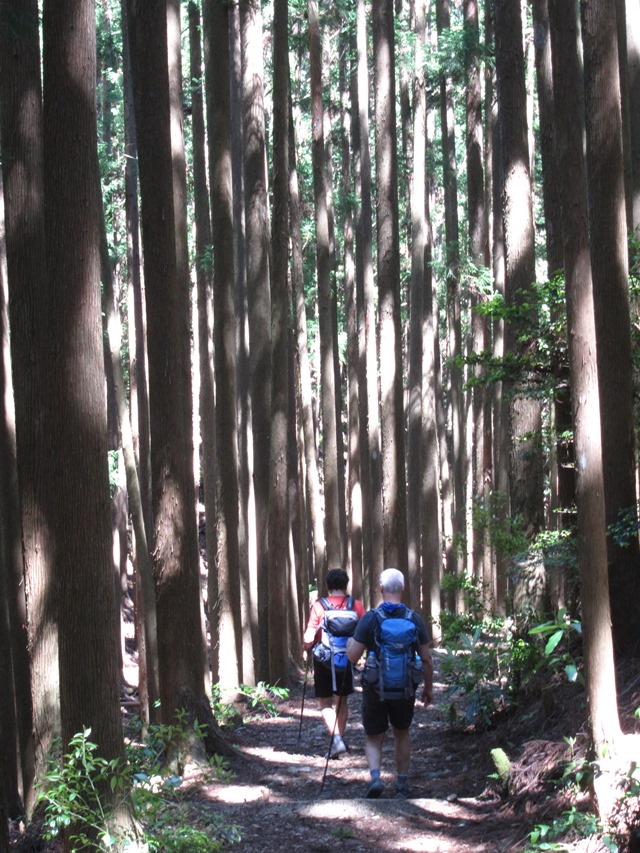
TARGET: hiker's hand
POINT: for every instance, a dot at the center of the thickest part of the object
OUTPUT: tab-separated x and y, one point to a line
427	695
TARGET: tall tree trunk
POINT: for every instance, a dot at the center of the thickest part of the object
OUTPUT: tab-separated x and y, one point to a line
562	466
592	548
12	601
369	376
21	133
306	400
392	408
417	292
479	252
333	541
79	485
278	509
259	301
204	286
217	80
613	330
633	60
354	489
526	474
176	558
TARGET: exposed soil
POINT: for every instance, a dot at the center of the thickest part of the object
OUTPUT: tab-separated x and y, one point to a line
278	801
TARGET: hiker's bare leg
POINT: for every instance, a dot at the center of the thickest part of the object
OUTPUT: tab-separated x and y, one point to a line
373	750
402	750
328	713
343	713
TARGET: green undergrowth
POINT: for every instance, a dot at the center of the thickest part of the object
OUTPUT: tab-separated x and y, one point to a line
138	805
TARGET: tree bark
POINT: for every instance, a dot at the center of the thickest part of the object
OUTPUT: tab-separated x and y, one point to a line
79	485
21	133
333	539
278	508
592	547
609	265
391	395
526	475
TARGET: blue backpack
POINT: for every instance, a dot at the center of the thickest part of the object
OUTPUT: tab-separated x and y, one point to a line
398	664
338	624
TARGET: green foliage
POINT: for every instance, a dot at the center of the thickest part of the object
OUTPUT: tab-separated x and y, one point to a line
472	666
560	633
571	823
260	701
491	519
80	793
625	527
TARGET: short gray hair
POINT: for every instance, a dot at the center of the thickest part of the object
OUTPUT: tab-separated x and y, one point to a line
392	580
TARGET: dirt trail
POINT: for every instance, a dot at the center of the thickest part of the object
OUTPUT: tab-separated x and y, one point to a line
275	795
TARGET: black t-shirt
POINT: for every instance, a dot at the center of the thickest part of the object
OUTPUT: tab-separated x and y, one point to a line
366	628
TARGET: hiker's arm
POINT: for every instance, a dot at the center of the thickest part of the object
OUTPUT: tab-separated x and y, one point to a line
427	671
354	650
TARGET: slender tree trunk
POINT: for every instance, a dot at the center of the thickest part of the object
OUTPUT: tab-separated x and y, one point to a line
633	60
592	548
418	271
204	286
613	331
392	420
372	516
217	76
333	542
278	509
526	474
21	133
456	565
306	401
354	490
259	304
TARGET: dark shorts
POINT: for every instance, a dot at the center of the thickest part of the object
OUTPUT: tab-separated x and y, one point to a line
323	681
376	714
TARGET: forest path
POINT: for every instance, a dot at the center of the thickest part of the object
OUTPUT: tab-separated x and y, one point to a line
276	799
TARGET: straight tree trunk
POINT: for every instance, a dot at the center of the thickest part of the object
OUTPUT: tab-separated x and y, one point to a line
278	509
391	395
79	485
306	399
456	562
204	286
526	474
370	414
229	640
176	558
609	265
562	466
479	252
354	491
333	539
258	237
22	166
604	725
418	271
633	60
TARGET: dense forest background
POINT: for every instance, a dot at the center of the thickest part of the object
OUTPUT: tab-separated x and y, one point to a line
290	286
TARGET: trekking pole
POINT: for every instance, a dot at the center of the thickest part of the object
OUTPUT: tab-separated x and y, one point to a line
335	723
304	691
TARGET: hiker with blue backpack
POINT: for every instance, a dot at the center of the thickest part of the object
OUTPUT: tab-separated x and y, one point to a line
332	622
398	660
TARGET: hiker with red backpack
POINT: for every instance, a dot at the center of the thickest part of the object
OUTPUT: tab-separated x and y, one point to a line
332	622
398	659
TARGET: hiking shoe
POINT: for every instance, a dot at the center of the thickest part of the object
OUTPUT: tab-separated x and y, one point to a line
338	747
374	790
404	792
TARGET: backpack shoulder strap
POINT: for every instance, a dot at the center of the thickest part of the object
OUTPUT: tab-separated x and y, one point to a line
326	604
350	603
